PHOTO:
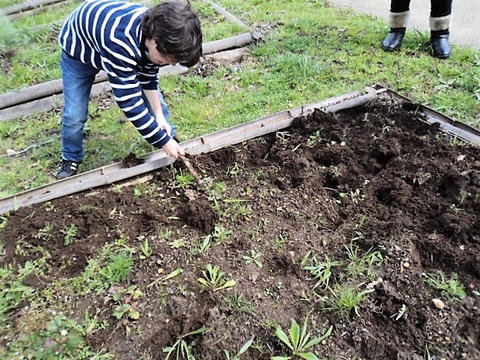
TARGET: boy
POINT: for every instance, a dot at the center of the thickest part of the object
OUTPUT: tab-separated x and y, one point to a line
129	42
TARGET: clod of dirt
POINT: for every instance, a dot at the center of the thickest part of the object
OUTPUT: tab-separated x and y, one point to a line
131	160
199	214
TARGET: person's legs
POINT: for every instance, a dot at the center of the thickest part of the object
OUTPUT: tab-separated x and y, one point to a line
77	84
398	21
440	20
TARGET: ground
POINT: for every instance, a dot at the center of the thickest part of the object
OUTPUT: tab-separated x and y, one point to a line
368	204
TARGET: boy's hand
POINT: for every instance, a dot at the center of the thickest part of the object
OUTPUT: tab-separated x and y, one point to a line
172	148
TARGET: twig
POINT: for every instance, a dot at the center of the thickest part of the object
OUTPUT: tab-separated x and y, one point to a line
28	148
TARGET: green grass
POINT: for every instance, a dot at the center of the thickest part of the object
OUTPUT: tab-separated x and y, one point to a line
309	52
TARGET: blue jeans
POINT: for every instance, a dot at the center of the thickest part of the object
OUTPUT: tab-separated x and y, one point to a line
78	79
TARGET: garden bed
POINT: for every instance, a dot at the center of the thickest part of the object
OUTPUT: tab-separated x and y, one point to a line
364	223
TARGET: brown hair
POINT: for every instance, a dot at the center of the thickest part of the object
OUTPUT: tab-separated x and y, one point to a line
176	29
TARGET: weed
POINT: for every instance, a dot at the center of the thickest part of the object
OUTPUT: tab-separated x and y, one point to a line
89	326
238	301
452	287
70	233
221	234
181	349
46	232
254	257
240	352
202	246
59	339
346	299
360	265
4	220
163	279
314	139
13	291
184	179
298	340
322	271
214	279
178	243
145	248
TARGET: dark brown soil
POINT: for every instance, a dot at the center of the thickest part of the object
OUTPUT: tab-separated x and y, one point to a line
373	178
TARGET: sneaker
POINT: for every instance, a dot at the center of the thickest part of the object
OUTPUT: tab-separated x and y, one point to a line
66	169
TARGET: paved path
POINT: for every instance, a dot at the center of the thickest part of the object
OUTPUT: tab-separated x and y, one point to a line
465	28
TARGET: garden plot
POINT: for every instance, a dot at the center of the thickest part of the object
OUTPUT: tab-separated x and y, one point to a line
362	226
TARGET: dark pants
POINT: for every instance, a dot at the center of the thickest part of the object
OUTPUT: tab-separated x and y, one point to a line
438	8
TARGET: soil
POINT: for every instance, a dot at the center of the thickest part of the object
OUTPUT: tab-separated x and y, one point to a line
374	179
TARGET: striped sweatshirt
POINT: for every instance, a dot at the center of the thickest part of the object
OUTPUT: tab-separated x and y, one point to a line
107	35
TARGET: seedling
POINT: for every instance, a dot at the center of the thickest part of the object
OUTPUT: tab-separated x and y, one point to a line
89	326
221	235
145	248
346	299
314	139
181	349
240	352
70	233
184	179
126	310
253	257
178	243
451	287
214	279
4	221
298	340
163	279
322	271
46	232
202	246
359	265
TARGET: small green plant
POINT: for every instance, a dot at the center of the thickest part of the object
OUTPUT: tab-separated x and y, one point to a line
89	326
221	234
298	340
178	243
314	139
242	350
322	271
214	279
70	233
184	179
181	349
202	246
4	220
452	287
145	248
46	232
126	297
164	278
346	299
362	265
254	257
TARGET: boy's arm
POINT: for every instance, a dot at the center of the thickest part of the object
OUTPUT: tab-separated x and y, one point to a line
154	100
171	147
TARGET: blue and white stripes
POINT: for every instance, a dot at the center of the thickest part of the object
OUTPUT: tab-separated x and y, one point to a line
107	35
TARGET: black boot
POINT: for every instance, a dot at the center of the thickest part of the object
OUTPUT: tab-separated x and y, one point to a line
398	24
393	41
439	32
441	47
